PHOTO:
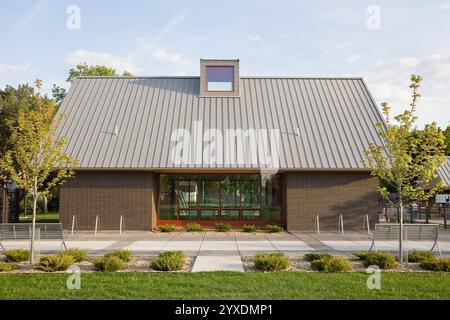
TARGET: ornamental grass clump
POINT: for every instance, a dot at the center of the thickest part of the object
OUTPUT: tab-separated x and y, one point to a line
223	227
59	262
169	261
166	228
193	227
316	256
331	264
122	254
77	254
273	228
271	262
250	228
109	264
17	255
420	256
436	264
7	266
383	260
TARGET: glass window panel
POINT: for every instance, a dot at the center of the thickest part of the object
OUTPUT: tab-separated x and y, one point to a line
250	190
250	215
229	191
187	192
187	214
209	214
220	78
208	192
271	213
167	197
229	215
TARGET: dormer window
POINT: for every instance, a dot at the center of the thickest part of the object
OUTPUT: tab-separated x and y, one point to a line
219	78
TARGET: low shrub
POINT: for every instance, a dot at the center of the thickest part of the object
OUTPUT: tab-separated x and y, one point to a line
331	264
18	255
169	261
167	227
383	260
273	228
436	264
58	262
249	228
77	254
420	256
271	262
7	266
109	264
316	256
122	254
223	227
193	227
362	255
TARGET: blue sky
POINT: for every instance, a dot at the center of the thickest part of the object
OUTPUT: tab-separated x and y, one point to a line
326	38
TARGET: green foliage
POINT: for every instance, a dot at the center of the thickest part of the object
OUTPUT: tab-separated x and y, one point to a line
407	162
169	261
17	255
122	254
58	94
420	256
383	260
271	262
82	69
447	140
193	227
331	264
6	266
223	227
273	228
109	264
362	255
316	256
58	262
249	228
78	255
436	264
167	227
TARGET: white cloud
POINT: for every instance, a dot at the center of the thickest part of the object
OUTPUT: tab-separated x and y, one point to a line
344	45
389	81
7	70
173	23
163	54
354	58
120	63
445	7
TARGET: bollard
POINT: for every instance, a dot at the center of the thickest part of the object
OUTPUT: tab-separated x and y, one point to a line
317	225
97	222
121	224
341	224
74	219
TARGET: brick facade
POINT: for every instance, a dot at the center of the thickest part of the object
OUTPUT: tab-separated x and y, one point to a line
306	194
110	195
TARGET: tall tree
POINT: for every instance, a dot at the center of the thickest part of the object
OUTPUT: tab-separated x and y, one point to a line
407	162
447	140
36	161
82	69
12	100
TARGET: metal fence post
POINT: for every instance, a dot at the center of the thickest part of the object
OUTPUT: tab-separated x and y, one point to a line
97	219
121	224
341	224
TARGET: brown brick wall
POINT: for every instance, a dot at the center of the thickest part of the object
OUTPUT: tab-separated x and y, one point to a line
110	195
306	194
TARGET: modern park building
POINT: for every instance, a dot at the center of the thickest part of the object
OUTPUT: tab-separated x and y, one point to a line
219	148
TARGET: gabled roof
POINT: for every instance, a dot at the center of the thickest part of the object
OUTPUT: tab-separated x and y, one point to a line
444	172
336	118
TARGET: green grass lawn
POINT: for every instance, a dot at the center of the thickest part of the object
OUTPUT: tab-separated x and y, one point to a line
226	285
50	217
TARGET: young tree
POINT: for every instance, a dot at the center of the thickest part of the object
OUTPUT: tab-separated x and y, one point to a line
36	161
407	162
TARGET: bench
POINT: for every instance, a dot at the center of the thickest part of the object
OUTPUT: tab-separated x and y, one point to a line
411	232
22	231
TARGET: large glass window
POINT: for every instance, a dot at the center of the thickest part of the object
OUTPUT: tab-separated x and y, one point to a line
227	197
219	78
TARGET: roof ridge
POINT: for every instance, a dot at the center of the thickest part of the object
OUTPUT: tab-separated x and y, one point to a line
242	77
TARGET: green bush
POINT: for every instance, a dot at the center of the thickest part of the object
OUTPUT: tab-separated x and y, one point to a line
383	260
58	262
362	255
122	254
249	228
109	264
6	266
436	264
316	256
331	264
273	228
420	256
271	262
193	227
77	254
167	227
223	227
169	261
18	255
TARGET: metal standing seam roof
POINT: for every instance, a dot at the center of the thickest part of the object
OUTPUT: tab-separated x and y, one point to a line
336	118
444	172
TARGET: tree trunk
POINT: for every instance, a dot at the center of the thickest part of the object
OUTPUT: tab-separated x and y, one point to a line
25	203
45	200
400	239
33	224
